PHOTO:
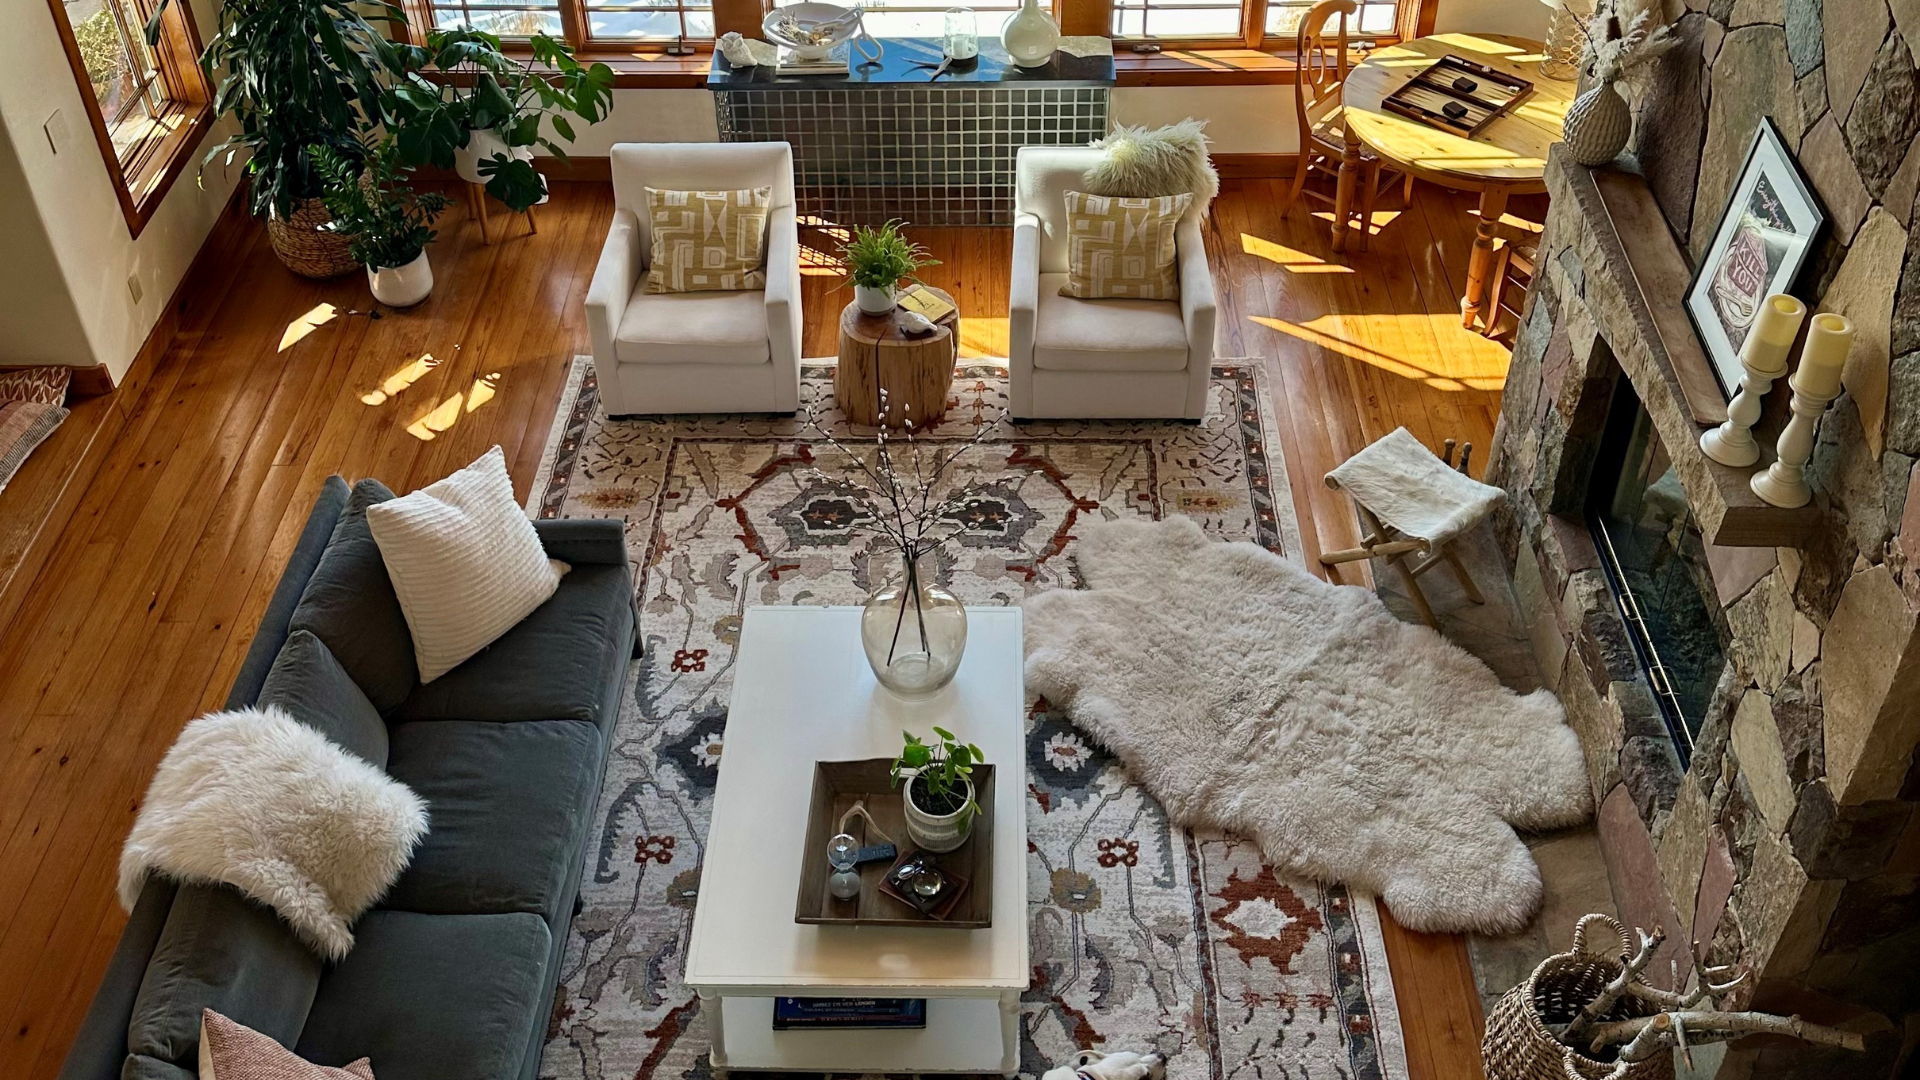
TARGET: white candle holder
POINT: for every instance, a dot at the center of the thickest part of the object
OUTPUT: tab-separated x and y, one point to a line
1732	443
1784	483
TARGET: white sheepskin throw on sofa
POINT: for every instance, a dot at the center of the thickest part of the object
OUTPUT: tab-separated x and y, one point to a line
257	800
1143	164
1248	695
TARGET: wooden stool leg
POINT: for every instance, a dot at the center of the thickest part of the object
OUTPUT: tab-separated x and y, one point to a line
1460	572
477	206
1405	572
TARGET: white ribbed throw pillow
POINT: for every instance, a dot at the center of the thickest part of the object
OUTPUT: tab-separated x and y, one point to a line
465	562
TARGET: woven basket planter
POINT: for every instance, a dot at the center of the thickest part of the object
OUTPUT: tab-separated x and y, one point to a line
306	248
1518	1045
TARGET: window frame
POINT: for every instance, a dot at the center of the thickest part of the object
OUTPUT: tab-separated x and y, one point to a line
1409	16
143	176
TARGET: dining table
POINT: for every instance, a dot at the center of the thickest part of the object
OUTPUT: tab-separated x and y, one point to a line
1505	158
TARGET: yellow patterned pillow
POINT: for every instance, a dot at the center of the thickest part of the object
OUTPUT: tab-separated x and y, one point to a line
708	240
1122	247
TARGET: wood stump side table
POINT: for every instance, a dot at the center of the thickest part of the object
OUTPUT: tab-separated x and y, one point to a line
916	372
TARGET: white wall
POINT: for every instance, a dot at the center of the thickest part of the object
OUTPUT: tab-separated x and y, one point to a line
1240	119
1520	18
92	252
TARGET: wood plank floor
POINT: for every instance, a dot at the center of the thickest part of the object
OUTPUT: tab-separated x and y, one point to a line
142	576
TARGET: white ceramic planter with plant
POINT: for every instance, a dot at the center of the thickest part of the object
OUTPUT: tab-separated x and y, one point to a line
938	790
387	224
877	261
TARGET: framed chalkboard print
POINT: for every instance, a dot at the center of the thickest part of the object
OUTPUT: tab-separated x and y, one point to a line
1769	228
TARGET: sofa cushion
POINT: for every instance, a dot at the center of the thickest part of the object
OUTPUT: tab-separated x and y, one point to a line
433	997
350	605
1106	335
555	664
142	1067
311	685
511	806
693	328
220	951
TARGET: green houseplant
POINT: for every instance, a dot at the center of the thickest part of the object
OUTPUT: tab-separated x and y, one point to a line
459	102
940	807
877	261
295	75
387	224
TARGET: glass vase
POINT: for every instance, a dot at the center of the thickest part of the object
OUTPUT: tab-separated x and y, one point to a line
914	632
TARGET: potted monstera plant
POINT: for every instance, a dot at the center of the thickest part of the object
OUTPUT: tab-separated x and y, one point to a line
387	225
461	103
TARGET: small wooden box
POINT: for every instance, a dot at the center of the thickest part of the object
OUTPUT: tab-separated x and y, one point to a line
837	785
1459	96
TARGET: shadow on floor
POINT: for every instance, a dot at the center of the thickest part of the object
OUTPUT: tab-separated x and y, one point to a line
1571	865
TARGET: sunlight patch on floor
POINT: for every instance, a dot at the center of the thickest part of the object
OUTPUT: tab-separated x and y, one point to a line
1381	219
443	416
391	386
983	338
321	315
1462	359
1289	259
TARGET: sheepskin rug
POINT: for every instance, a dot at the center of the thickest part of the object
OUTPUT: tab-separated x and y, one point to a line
1143	164
257	800
1249	695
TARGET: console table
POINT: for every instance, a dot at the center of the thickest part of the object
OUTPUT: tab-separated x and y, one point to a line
887	141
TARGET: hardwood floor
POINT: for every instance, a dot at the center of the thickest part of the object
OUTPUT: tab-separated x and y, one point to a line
136	599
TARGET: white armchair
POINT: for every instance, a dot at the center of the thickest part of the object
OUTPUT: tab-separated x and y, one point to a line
696	352
1100	359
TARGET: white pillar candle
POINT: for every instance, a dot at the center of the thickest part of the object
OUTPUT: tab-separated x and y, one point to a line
1763	358
1824	356
1773	332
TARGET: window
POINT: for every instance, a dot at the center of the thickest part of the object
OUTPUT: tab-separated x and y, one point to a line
147	102
582	22
927	18
1253	24
507	20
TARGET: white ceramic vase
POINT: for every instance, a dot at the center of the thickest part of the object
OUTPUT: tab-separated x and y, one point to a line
401	286
937	833
1030	35
483	145
1598	125
873	301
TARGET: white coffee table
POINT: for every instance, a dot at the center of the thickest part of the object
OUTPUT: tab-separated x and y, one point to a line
802	692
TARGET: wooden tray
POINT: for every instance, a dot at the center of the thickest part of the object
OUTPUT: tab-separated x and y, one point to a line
1477	95
837	785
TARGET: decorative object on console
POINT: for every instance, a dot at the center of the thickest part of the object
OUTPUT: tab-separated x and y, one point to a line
1139	163
916	656
1599	122
938	789
1763	356
960	39
877	261
1590	1013
388	226
1191	659
1123	249
812	30
230	1050
32	405
255	799
1763	240
1030	35
1815	383
744	52
466	563
708	241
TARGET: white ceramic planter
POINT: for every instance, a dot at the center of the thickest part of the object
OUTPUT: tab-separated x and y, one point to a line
482	146
1598	125
873	301
1030	35
402	286
937	833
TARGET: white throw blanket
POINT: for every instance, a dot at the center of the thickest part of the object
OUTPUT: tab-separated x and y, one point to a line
1410	489
257	800
1249	695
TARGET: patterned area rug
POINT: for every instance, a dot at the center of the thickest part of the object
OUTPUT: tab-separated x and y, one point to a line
1144	936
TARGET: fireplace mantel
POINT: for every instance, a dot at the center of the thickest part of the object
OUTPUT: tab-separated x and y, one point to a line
1633	286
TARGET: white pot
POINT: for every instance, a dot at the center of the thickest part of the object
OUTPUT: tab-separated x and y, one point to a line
1030	35
484	145
873	301
1598	125
937	833
402	286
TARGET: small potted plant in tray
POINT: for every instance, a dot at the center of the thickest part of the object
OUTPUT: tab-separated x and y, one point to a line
877	261
939	790
387	225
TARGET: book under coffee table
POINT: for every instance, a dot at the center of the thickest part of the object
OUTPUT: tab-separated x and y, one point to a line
802	692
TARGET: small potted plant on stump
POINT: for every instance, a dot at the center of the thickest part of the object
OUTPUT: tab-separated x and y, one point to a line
939	790
387	225
878	260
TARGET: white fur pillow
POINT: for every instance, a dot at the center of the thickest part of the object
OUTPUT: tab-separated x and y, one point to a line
255	799
1143	164
465	562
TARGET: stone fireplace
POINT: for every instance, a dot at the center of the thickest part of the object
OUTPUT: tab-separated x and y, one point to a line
1745	680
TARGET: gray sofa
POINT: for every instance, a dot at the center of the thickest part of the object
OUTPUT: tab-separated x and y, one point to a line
453	974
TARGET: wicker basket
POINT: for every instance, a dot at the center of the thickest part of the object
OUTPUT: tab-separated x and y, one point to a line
304	247
1518	1045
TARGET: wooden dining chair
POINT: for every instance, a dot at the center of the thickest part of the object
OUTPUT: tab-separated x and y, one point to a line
1320	56
1517	247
